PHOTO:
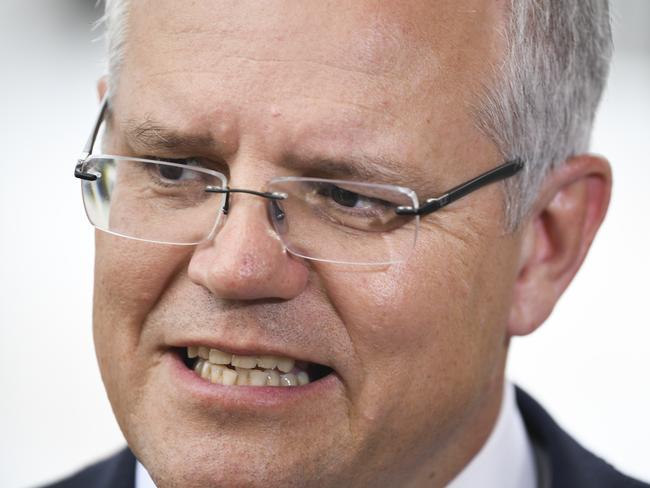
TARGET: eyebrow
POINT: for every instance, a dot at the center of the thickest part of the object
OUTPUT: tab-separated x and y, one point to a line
150	135
362	168
154	136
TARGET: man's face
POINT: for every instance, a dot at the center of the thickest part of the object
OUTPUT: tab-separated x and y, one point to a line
416	350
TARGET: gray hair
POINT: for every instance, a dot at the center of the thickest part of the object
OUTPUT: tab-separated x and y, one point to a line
115	23
540	104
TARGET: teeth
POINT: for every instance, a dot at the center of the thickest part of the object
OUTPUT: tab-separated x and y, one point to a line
267	362
242	376
229	376
217	374
219	357
206	371
257	378
288	379
198	367
272	377
204	352
213	365
285	364
244	361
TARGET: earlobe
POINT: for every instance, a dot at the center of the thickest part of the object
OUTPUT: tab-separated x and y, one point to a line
556	238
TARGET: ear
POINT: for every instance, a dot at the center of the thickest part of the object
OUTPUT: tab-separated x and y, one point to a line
571	206
102	87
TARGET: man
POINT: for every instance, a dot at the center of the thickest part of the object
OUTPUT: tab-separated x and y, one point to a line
320	224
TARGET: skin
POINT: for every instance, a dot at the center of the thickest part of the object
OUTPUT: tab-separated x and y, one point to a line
419	348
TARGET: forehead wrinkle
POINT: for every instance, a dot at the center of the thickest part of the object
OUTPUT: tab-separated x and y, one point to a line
402	27
371	40
319	63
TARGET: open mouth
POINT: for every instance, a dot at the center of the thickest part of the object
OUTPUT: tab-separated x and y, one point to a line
216	366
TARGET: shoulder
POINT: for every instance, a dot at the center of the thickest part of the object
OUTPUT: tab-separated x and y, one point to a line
117	471
571	465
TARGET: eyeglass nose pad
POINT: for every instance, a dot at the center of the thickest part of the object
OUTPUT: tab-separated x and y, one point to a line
277	216
222	212
226	204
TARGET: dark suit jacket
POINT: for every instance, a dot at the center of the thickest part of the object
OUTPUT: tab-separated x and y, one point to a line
569	464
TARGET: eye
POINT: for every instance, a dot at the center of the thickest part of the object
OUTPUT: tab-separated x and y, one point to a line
171	172
341	196
179	173
344	197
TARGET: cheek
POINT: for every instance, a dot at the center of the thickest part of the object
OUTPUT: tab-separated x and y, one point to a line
130	275
404	309
429	329
129	279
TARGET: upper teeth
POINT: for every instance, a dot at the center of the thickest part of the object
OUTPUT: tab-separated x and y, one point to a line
216	356
212	366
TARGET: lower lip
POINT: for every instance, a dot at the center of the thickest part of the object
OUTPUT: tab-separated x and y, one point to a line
245	397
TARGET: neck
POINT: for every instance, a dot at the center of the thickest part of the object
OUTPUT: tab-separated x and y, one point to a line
465	441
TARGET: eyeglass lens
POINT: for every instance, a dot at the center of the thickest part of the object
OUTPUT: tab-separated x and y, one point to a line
343	222
152	201
327	220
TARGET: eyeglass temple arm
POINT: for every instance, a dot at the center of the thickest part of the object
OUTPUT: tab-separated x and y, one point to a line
499	173
90	143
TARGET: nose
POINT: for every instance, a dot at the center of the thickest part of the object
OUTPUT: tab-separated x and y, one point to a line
246	260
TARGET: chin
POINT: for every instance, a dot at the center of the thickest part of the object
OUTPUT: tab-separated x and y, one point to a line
182	448
207	463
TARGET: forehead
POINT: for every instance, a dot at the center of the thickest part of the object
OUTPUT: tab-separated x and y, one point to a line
316	67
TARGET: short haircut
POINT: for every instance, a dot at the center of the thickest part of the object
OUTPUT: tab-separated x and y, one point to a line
540	103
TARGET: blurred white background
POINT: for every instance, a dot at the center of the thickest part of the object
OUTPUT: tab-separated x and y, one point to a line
589	364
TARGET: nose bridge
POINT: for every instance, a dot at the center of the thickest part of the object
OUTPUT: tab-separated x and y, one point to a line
246	259
246	218
229	192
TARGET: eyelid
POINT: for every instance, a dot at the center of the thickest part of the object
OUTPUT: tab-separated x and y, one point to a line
195	161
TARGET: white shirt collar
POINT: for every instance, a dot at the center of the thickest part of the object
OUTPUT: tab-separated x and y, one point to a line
506	459
142	478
